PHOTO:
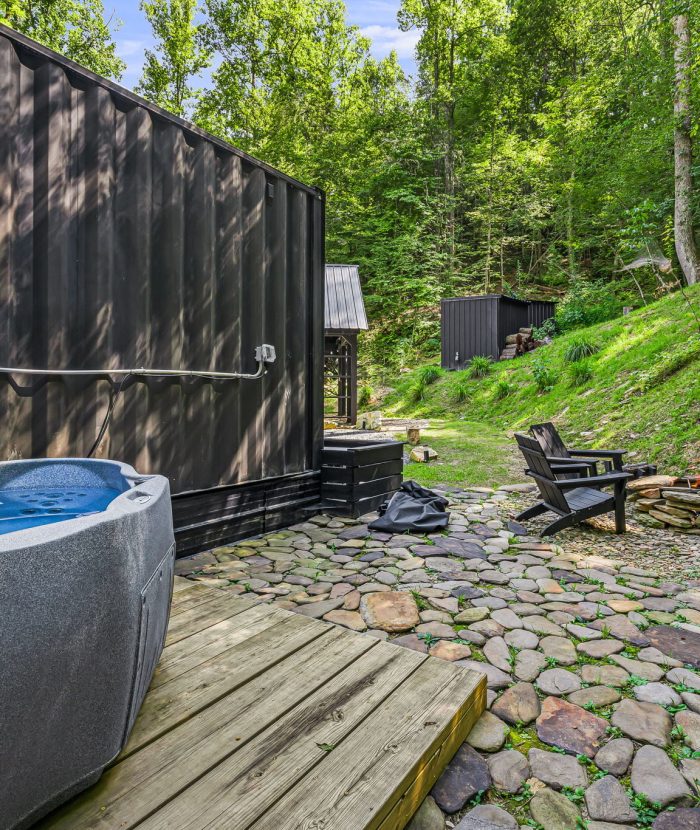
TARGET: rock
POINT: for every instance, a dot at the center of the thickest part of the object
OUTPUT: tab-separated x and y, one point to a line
561	649
648	671
487	817
653	655
489	628
412	641
689	722
607	800
558	682
679	643
554	811
604	675
488	733
428	817
437	630
684	818
691	700
393	611
506	618
450	651
472	615
509	770
466	775
599	649
582	632
497	653
467	592
644	722
316	610
495	678
528	664
521	639
570	727
684	676
421	454
348	619
556	770
615	756
622	629
519	704
657	693
597	695
690	770
624	606
654	775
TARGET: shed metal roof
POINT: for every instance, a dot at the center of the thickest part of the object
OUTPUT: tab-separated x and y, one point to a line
345	308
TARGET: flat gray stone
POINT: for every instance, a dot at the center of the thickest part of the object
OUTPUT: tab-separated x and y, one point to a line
684	676
495	678
487	817
497	653
604	675
428	817
466	775
529	664
682	818
518	704
682	644
506	618
558	682
691	700
599	649
554	811
488	733
569	727
643	722
556	770
648	671
509	770
657	693
654	775
689	722
653	655
521	639
607	800
622	629
561	649
597	695
615	756
316	610
690	770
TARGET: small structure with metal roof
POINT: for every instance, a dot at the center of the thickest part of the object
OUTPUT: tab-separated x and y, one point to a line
344	317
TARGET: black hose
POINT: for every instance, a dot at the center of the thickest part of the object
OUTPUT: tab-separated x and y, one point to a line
113	395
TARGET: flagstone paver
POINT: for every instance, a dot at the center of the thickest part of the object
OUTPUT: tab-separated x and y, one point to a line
590	652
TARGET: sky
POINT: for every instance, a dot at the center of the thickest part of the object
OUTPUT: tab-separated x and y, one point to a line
375	18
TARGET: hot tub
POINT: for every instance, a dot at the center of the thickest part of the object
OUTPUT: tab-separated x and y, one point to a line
86	573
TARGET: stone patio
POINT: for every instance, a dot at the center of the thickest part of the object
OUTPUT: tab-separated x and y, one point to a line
591	660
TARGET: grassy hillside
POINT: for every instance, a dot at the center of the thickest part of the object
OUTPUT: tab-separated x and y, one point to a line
639	390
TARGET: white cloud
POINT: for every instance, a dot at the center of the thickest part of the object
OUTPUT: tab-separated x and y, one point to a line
386	39
129	48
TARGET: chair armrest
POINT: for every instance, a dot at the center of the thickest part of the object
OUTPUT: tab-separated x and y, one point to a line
572	468
594	481
599	453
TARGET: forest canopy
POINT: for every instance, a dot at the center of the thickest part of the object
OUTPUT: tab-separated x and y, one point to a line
532	153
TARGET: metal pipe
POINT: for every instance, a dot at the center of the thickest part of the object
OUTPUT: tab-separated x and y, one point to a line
264	355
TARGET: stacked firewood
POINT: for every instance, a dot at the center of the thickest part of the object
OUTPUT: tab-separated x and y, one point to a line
519	343
672	502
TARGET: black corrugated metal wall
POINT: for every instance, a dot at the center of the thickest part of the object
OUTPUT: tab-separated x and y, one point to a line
129	238
540	310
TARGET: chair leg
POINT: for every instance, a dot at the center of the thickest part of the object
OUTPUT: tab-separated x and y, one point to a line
620	523
559	524
531	512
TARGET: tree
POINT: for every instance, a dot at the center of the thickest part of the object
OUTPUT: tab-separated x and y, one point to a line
76	28
179	55
686	249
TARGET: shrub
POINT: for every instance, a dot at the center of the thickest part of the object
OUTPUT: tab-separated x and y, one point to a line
502	389
580	372
460	388
547	329
479	366
429	374
416	391
364	396
545	377
585	303
578	349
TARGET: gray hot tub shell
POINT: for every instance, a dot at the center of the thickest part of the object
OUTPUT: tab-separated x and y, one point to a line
84	607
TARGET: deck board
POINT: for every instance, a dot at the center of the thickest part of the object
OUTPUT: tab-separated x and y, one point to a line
267	720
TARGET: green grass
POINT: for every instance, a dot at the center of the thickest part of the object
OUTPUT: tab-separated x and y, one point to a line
468	453
643	394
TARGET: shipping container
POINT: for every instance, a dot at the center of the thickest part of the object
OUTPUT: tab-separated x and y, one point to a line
131	239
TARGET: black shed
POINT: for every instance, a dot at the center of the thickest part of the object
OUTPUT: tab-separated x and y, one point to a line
345	317
479	325
131	238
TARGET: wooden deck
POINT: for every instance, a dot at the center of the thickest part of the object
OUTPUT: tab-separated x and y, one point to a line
264	719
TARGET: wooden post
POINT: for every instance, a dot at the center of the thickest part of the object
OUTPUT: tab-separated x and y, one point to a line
413	435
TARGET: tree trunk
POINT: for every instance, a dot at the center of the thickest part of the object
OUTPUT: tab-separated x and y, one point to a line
683	153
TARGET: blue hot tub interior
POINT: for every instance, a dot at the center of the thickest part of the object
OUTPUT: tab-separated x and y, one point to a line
48	492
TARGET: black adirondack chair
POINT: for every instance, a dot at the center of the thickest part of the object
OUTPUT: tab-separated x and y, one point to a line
557	452
573	500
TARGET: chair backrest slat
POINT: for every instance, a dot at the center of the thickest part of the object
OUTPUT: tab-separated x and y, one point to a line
549	440
537	463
